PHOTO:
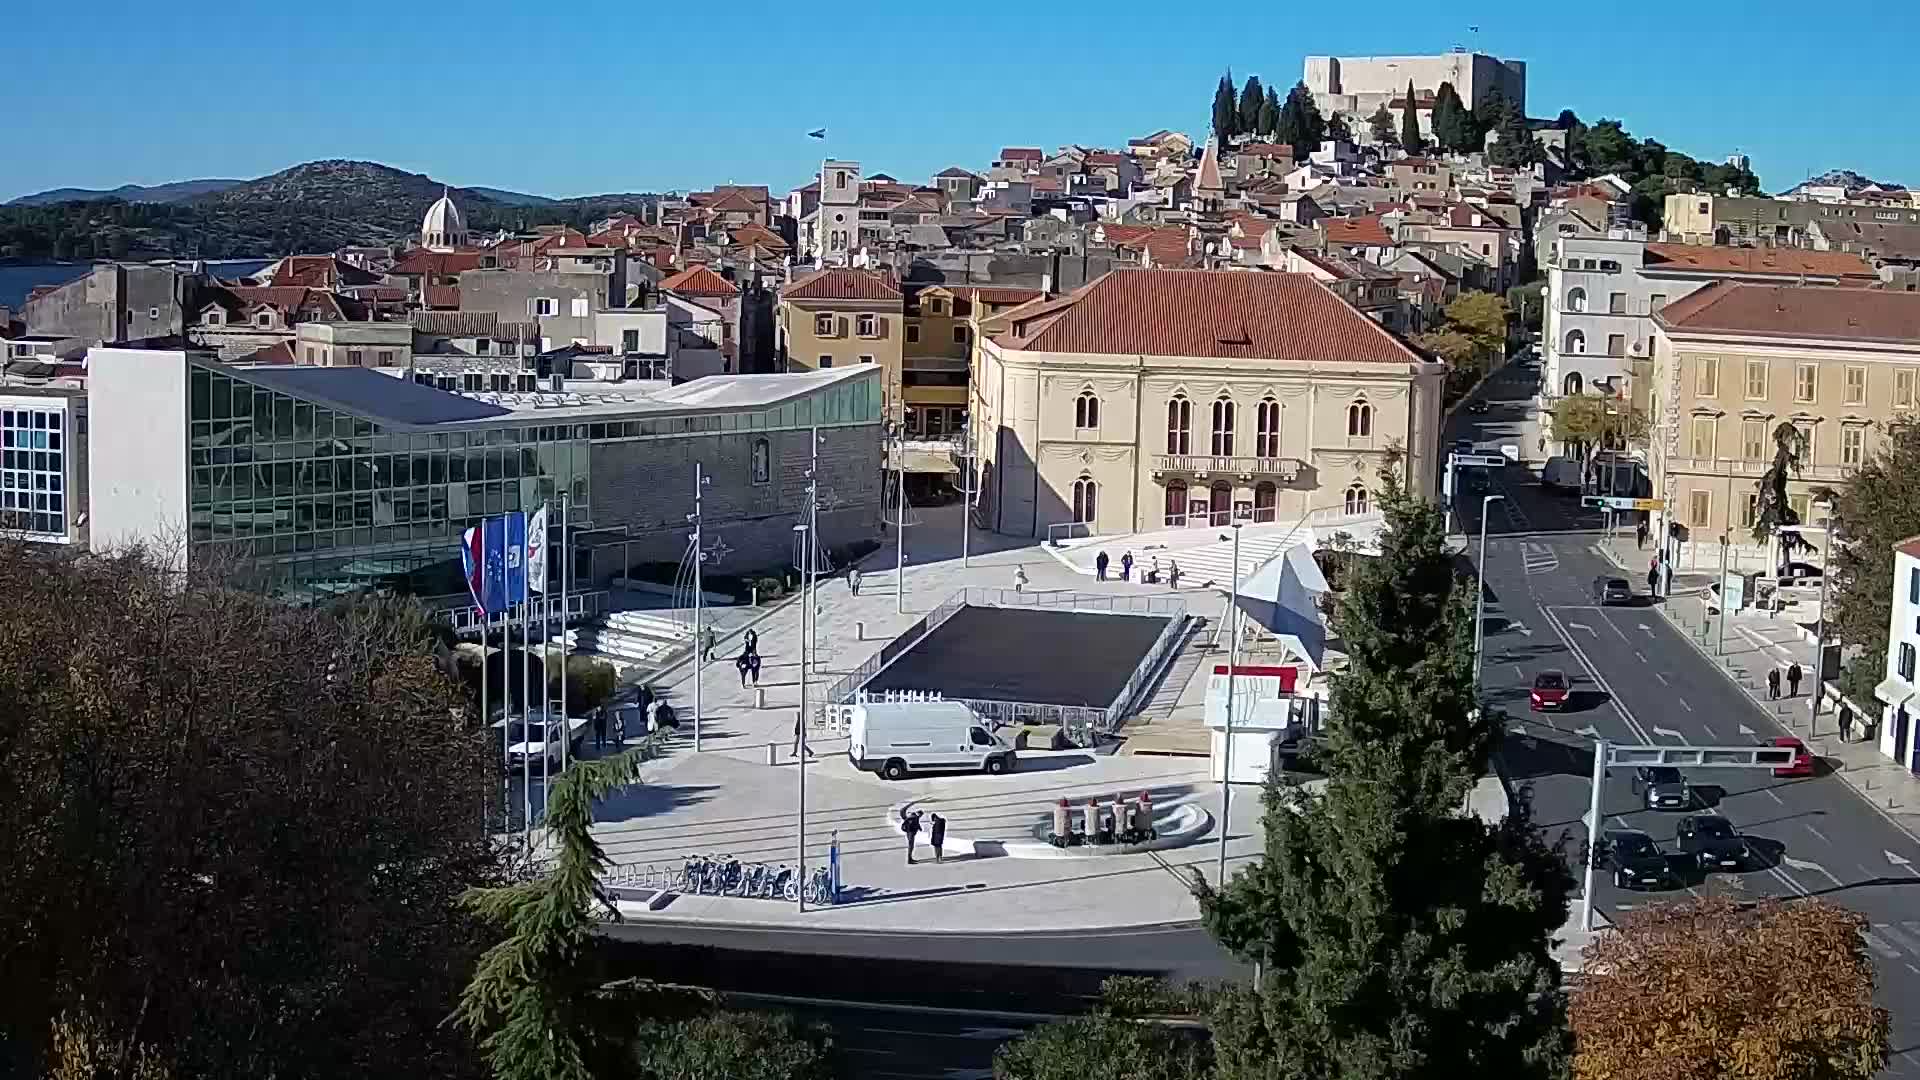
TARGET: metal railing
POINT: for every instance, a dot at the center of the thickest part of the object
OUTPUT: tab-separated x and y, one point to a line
466	619
1116	604
1286	468
842	691
1063	530
1748	467
1149	666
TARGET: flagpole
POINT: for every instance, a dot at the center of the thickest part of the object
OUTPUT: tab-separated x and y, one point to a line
526	714
699	645
566	568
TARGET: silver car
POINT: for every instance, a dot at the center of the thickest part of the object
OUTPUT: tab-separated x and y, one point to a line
1663	787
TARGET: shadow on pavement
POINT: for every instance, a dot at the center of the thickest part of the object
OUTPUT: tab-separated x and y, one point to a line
646	800
1050	762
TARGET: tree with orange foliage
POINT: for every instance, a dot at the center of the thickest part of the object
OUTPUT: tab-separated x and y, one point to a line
1714	988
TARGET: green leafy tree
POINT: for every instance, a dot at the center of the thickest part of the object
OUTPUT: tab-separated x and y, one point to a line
1397	936
732	1046
1528	304
1410	139
1492	112
238	829
1593	420
1452	346
1102	1047
1878	508
1608	148
1515	147
1269	118
1226	113
1381	124
1775	509
1482	316
1252	97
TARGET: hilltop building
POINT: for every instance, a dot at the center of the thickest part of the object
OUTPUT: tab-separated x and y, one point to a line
1355	86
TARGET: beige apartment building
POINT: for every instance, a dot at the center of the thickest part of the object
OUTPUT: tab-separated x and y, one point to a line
841	317
1735	360
1171	398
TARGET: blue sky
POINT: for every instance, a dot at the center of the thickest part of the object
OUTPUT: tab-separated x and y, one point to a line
617	97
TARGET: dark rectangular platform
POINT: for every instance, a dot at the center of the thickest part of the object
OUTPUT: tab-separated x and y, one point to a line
1024	654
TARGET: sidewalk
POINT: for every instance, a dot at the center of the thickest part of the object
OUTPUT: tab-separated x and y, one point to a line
1755	642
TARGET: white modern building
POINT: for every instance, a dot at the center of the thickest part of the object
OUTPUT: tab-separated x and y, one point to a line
1898	738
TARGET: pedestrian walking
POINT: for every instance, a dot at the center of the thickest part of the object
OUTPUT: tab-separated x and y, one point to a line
753	668
1640	535
1793	679
1846	721
619	729
796	737
1653	582
1173	574
1100	567
853	580
709	644
600	727
753	643
937	834
1773	684
744	662
1020	578
1153	572
1126	566
910	824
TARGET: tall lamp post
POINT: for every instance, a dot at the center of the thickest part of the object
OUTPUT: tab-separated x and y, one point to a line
1722	646
809	533
1480	592
1820	631
1233	661
700	481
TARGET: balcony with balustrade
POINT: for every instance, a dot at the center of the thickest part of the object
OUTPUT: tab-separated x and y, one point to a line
1248	468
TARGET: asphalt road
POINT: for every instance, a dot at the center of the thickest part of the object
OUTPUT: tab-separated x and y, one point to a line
912	1006
1637	680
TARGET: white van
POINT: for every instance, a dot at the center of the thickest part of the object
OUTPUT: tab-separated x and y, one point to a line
898	738
1562	472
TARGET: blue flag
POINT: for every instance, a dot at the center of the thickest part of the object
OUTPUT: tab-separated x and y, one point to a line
493	592
516	540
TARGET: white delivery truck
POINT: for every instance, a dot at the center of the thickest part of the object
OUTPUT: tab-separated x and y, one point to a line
1562	474
898	738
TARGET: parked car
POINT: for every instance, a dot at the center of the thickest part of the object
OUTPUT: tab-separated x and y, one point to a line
1463	446
1802	757
541	735
1550	689
1663	787
1799	571
1478	407
1713	843
1612	590
1561	473
1636	861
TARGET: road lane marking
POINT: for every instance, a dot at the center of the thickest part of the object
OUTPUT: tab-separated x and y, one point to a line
1822	837
1898	937
1746	732
1683	704
1803	864
1662	678
1668	733
1582	626
1877	944
1640	656
1613	699
1517	672
1904	863
1768	792
1647	630
1709	732
1613	627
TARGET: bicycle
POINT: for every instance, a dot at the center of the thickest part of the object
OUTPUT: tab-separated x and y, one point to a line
820	886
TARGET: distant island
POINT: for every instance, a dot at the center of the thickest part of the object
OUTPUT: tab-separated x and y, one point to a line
316	206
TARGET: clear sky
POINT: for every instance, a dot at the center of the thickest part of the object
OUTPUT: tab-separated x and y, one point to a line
585	96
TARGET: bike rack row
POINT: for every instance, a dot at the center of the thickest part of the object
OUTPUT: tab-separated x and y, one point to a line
724	875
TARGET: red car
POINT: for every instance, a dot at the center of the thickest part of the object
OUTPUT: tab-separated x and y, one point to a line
1802	757
1549	690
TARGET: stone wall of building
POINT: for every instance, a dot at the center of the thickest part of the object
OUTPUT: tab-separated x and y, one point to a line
647	485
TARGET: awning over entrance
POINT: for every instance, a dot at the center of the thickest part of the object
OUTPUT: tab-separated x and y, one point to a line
1895	692
922	461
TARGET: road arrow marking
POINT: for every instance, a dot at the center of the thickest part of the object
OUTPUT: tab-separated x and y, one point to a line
1811	867
1648	630
1668	732
1583	626
1521	629
1590	732
1901	861
1746	732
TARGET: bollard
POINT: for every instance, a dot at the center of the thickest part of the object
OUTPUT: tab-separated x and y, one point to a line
1121	822
1145	809
859	631
756	596
759	697
771	759
1090	820
1060	820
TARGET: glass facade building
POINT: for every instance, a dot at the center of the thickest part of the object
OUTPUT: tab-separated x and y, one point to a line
33	468
322	500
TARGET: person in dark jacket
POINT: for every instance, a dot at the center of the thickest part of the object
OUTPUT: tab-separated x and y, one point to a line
600	727
753	668
1100	567
937	834
1126	566
1773	684
910	824
1793	679
744	662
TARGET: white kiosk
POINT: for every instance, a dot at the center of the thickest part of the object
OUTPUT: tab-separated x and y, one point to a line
1275	705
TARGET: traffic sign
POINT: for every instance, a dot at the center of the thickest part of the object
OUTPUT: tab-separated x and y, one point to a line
1620	502
1490	461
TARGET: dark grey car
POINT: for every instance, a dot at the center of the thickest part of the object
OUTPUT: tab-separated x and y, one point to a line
1663	787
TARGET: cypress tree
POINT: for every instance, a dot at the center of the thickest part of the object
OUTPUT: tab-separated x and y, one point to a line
1381	122
1226	115
1410	139
1398	936
1449	120
1269	114
1251	98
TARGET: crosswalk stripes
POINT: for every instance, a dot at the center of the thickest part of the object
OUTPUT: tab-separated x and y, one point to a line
1538	558
1908	938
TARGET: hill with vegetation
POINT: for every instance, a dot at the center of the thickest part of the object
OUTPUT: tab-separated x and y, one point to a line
178	191
313	207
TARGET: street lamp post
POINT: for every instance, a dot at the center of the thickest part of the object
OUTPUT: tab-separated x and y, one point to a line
1233	661
1480	591
1820	630
700	481
1722	646
966	487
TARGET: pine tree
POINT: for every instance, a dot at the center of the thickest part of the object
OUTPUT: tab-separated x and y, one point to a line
1301	125
1337	129
1410	139
1397	935
1269	114
1381	124
1449	120
1226	116
1251	98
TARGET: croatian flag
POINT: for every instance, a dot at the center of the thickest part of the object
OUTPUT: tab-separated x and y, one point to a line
473	561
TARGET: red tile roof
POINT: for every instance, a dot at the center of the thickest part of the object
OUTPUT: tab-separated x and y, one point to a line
1825	312
697	280
1021	153
1224	314
1102	158
320	272
1743	260
1268	150
422	261
734	201
1361	231
1909	546
280	352
842	284
443	297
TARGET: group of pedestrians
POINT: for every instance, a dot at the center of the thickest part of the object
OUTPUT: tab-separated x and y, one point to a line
1793	681
936	833
1150	577
749	660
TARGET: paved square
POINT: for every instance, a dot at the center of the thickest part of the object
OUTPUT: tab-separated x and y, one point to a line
1019	654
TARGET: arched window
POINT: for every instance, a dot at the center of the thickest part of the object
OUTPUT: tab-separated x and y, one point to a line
1576	342
1086	411
1223	411
1084	499
1179	426
1176	502
1265	497
1572	384
1576	299
1357	500
1266	423
1360	419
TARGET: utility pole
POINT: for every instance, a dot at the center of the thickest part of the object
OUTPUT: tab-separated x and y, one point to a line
699	642
1233	661
1480	592
1820	641
1593	834
809	542
966	486
900	526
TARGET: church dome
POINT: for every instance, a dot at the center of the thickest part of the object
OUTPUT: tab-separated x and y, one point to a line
443	227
